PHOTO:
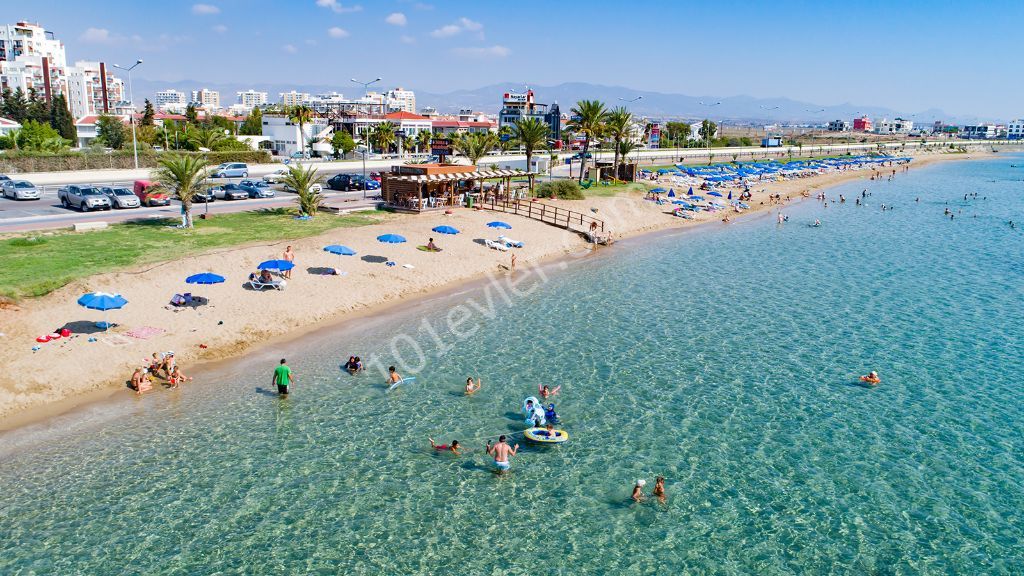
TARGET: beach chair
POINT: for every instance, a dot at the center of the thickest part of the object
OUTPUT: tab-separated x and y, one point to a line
259	286
510	242
500	246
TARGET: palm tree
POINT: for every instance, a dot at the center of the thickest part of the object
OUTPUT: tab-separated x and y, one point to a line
184	174
531	133
423	139
383	135
301	115
622	150
302	180
476	145
618	127
507	138
588	120
10	140
205	137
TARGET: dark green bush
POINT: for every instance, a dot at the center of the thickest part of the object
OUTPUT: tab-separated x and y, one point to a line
564	189
13	162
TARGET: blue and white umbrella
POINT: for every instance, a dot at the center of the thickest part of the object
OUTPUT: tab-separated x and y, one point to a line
499	224
391	238
102	301
340	250
205	278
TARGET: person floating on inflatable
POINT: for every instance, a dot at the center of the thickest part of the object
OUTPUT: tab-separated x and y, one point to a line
534	412
872	378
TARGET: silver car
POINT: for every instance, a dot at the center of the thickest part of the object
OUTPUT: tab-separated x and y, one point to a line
21	190
121	197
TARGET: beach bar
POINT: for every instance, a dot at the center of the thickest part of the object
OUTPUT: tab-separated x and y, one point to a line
423	187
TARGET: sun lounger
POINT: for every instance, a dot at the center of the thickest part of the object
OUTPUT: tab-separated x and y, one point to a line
510	242
259	286
496	245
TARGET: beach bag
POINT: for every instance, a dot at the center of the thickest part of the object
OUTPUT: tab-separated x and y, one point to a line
178	300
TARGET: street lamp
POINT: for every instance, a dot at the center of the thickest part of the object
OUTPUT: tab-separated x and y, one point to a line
366	140
707	137
131	101
366	86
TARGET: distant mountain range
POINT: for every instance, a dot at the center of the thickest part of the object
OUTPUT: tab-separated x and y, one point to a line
738	109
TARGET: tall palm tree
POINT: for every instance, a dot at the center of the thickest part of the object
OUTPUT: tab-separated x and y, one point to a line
303	181
205	137
532	134
506	138
301	115
184	174
475	145
423	140
588	118
622	150
618	127
383	135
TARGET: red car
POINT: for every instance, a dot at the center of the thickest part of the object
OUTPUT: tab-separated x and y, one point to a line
375	176
149	194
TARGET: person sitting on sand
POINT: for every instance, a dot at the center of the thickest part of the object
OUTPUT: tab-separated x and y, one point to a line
546	391
139	381
154	364
638	493
470	387
659	488
432	247
177	377
453	447
167	363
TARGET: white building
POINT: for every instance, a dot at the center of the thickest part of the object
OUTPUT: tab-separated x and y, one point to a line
839	126
251	98
980	132
1015	130
294	98
897	126
286	137
170	100
401	100
208	99
92	89
7	125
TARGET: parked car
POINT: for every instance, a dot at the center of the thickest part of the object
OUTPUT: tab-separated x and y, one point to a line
316	188
204	196
255	190
20	190
276	176
375	176
231	170
84	198
121	197
230	192
346	182
4	177
149	194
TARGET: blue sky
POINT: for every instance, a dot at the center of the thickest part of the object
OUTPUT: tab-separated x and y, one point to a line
913	55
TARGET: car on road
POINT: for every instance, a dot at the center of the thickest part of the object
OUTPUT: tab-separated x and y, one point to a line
256	188
230	192
276	176
231	170
20	190
149	194
84	198
204	196
347	182
4	178
315	188
121	197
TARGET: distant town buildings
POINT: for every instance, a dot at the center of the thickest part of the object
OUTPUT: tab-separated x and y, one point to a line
170	100
32	59
293	98
401	100
897	126
979	131
862	124
839	126
207	99
1015	130
518	106
251	99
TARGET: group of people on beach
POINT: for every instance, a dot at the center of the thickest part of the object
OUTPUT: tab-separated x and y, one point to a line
143	377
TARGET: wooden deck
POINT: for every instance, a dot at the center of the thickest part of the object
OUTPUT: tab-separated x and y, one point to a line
553	215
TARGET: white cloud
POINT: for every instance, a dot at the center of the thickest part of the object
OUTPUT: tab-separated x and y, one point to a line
396	19
205	9
495	51
423	6
220	28
97	36
461	25
407	40
335	32
338	7
289	49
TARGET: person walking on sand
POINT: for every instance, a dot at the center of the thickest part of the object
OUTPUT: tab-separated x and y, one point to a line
283	378
502	453
289	255
513	267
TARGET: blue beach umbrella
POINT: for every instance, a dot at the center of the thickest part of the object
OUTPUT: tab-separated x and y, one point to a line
713	193
102	301
205	278
391	239
671	193
690	192
657	190
340	250
499	224
280	265
730	195
445	230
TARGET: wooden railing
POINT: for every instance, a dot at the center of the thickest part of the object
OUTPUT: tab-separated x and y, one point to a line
546	213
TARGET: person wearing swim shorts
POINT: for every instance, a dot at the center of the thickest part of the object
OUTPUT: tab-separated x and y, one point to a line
502	453
283	378
454	447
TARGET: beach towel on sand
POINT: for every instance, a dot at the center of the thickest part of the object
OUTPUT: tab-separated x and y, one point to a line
145	332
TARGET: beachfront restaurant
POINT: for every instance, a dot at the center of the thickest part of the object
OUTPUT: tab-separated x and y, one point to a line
424	187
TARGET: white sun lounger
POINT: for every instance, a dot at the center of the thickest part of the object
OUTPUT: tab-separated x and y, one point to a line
510	242
496	245
259	286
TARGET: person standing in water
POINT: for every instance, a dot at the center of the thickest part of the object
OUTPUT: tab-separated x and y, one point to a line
659	488
283	378
393	376
502	453
638	492
470	387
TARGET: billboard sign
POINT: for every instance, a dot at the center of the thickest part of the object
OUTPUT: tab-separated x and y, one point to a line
441	147
513	98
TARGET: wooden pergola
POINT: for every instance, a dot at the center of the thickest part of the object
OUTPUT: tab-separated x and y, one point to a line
419	192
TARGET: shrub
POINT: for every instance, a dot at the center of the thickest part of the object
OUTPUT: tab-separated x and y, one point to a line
564	189
24	161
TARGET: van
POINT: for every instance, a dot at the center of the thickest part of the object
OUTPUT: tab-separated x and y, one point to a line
231	170
149	194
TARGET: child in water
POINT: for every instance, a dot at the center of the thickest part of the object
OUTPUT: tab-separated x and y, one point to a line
453	447
659	488
470	387
638	493
546	391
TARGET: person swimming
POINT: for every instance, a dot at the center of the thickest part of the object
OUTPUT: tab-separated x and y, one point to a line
393	376
638	492
352	365
454	447
659	488
871	378
470	387
550	415
817	223
546	391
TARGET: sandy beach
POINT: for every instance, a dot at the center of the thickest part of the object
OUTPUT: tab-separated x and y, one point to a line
90	364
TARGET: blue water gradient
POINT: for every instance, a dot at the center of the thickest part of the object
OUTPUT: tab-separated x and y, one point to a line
724	359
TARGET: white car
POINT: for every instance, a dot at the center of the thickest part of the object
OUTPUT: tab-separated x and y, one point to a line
315	188
276	176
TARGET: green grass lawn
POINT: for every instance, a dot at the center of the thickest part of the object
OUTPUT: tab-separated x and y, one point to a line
600	191
39	263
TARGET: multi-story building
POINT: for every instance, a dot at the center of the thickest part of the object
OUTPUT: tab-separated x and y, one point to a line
286	139
979	132
208	99
897	126
92	89
1015	130
401	100
839	126
517	106
251	98
294	98
170	100
862	124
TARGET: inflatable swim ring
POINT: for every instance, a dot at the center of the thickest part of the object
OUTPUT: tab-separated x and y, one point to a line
534	415
870	380
544	437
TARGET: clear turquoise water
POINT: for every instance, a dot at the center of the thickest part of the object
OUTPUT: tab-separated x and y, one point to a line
724	360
